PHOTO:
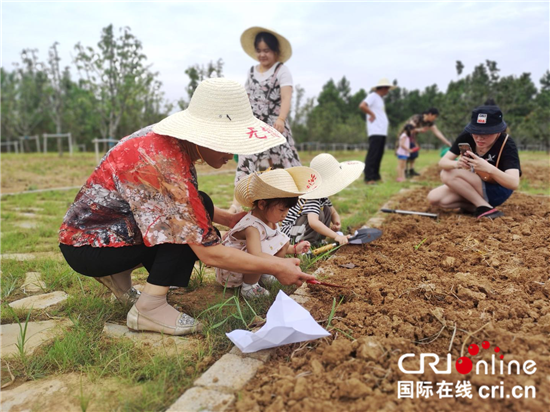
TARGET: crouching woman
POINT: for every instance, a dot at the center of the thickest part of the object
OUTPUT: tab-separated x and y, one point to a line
487	172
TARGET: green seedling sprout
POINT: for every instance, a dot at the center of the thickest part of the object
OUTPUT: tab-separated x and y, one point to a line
420	244
22	338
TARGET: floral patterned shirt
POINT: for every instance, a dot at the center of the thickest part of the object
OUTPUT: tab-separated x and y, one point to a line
144	191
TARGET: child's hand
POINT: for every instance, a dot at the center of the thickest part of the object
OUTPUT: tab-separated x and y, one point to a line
336	225
303	246
342	240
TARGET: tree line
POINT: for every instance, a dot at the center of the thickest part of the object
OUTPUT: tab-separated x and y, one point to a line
116	92
335	116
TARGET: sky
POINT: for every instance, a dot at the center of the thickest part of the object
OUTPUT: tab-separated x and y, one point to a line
416	43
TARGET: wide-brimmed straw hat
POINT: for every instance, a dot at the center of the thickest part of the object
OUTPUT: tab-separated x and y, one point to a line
220	118
383	83
486	120
334	176
276	183
249	36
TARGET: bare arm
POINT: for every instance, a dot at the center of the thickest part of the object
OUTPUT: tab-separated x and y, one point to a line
439	135
287	271
448	162
508	179
335	219
286	97
319	227
366	109
223	217
300	247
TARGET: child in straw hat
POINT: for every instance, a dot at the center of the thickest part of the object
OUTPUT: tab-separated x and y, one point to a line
270	195
314	217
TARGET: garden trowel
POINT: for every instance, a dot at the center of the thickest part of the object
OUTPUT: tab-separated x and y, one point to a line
361	236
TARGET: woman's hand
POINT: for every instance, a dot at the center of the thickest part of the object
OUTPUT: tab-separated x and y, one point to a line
479	164
234	218
279	125
289	272
342	240
462	162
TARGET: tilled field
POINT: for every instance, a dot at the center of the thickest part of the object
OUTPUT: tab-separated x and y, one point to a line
426	286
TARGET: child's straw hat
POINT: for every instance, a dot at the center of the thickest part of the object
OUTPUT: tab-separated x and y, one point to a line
249	36
220	118
276	183
334	176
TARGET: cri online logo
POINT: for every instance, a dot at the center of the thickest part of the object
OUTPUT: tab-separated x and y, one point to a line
464	365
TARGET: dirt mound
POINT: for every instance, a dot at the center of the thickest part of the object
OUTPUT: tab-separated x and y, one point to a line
425	286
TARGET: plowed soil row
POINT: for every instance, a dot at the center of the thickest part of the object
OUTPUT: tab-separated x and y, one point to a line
425	286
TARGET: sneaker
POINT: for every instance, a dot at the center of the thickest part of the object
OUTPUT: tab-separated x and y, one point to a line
253	292
185	324
400	179
413	173
491	213
268	280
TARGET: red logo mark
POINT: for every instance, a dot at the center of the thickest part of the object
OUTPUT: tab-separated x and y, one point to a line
464	365
254	133
311	180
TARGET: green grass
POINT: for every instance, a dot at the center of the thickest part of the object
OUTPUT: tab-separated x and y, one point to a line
161	378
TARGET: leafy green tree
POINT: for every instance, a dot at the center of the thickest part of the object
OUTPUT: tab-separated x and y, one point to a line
116	74
23	96
537	123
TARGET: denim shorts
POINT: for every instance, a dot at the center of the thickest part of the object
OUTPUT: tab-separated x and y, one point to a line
495	194
402	157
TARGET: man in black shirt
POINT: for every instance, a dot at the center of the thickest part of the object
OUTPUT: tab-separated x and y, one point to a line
492	156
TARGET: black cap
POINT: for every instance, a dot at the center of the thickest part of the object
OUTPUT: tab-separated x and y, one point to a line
486	120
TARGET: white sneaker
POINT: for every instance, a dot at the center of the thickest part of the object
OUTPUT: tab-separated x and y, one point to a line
268	280
253	291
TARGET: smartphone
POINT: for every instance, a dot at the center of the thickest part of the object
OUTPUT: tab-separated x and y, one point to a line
464	147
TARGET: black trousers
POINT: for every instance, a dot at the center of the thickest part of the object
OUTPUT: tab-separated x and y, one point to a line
168	264
374	157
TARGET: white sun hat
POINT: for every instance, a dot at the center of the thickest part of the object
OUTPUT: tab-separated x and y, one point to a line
276	183
334	176
220	118
383	83
249	36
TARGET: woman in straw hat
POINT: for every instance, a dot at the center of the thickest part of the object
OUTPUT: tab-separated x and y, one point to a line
270	195
269	88
314	217
141	207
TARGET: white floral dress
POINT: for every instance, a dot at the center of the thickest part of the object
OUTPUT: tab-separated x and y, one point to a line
265	99
272	240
